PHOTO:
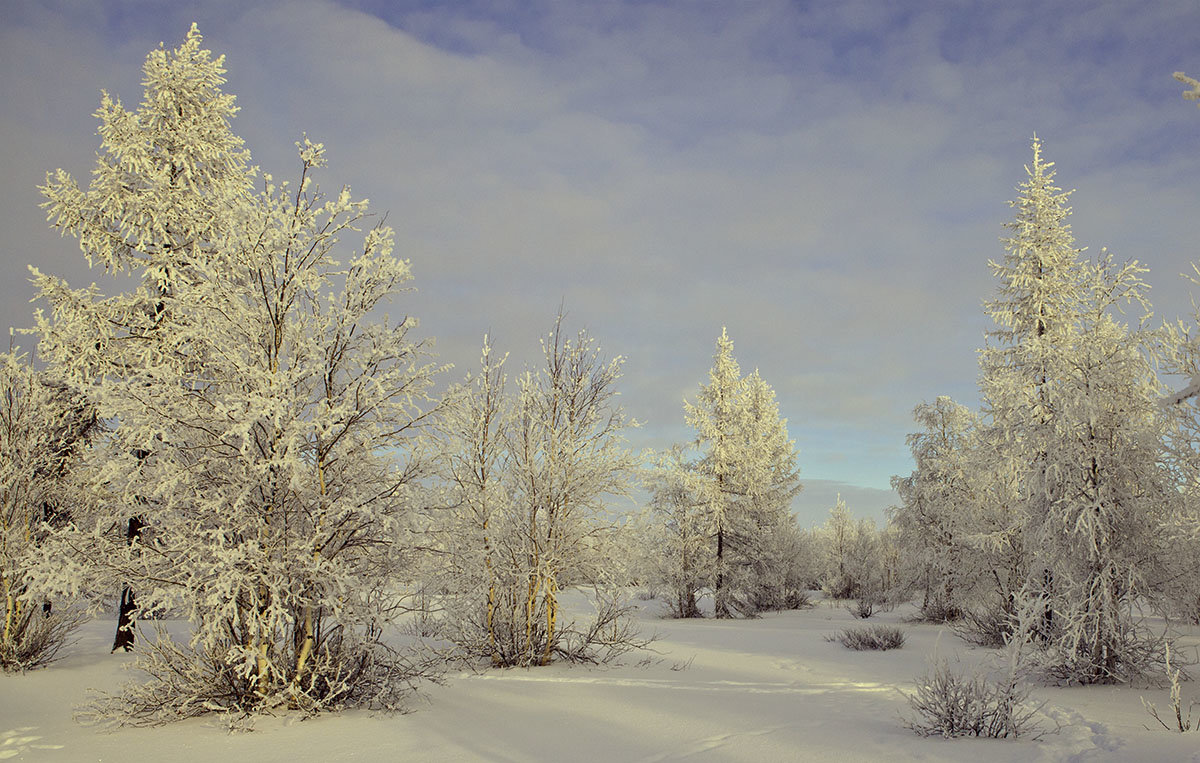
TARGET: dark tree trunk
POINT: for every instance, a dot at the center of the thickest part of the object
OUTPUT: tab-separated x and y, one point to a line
721	603
125	619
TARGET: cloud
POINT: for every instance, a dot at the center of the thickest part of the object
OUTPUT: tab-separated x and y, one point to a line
811	507
829	182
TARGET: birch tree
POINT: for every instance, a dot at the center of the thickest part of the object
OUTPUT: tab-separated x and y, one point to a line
528	474
475	462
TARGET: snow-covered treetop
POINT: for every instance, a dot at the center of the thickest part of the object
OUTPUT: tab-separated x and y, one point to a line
168	176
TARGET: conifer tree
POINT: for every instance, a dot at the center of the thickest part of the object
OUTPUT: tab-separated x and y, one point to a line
748	475
1038	303
937	504
169	179
1068	388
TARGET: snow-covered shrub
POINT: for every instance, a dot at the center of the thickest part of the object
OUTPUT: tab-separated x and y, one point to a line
873	638
989	625
951	701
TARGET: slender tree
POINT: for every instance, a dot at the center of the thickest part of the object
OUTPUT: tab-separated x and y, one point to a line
526	476
937	507
168	180
748	477
681	554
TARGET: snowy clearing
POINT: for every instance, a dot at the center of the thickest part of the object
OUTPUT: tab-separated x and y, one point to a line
757	690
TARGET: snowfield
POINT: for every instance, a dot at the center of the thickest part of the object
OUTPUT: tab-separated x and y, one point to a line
739	690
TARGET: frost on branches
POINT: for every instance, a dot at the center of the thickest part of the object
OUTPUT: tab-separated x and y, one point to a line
679	551
735	498
262	411
168	185
933	518
525	475
43	428
1065	487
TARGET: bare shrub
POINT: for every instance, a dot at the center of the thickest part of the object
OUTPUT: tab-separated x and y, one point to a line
939	609
36	636
992	627
610	634
953	702
862	609
800	598
349	669
1182	722
874	638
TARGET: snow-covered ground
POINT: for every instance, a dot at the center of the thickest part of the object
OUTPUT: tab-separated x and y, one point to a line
762	690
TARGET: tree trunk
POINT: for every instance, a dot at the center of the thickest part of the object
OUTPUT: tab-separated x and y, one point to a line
721	605
125	619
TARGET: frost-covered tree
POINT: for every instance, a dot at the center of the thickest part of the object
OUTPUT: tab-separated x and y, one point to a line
853	564
937	507
1180	577
767	540
680	552
43	429
527	475
264	413
169	179
1038	301
717	418
1100	538
747	472
1073	440
474	464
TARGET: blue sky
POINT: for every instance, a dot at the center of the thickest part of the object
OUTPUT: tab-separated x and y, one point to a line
827	179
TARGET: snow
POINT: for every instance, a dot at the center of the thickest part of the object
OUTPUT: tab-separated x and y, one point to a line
730	690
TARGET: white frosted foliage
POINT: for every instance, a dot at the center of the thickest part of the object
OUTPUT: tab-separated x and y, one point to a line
262	409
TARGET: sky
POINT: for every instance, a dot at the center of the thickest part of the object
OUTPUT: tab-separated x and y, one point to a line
828	180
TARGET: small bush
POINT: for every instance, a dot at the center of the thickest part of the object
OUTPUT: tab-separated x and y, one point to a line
876	638
1181	722
862	609
954	703
36	637
799	598
938	610
992	628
